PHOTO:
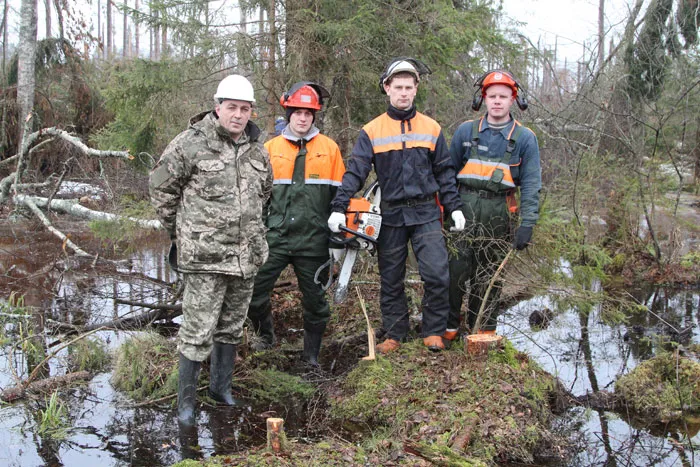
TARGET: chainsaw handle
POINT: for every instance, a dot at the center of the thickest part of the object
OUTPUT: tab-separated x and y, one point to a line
358	234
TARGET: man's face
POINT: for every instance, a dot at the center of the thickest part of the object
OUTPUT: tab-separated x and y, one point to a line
401	91
498	99
300	122
234	115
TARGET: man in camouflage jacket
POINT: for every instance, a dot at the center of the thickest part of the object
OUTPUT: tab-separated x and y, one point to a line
209	188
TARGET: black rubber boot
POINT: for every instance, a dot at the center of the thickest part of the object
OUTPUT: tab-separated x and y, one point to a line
265	330
223	358
189	442
313	334
187	390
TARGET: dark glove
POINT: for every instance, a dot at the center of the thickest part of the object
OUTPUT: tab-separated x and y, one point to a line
522	237
172	256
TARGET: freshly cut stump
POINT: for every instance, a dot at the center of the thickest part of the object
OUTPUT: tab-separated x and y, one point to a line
275	434
477	346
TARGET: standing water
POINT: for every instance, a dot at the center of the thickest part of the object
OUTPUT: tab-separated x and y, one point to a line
588	355
108	429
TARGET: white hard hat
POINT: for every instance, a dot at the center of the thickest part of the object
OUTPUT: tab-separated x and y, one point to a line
235	87
399	67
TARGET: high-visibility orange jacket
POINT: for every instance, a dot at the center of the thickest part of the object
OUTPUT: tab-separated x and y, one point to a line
410	157
304	185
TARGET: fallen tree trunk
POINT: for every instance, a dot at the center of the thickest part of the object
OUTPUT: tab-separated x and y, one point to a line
162	312
600	400
42	386
45	220
73	207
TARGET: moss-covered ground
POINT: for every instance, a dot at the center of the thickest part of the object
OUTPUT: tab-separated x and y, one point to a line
665	387
416	407
413	407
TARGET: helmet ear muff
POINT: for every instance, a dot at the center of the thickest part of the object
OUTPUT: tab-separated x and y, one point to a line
477	100
521	101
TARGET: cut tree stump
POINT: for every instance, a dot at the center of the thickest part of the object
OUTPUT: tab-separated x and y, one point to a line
478	346
276	438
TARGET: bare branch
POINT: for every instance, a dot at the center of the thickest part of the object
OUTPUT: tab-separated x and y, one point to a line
27	201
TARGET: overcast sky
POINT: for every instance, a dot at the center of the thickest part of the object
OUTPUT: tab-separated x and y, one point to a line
568	22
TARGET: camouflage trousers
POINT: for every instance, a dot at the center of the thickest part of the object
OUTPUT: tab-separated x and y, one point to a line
214	308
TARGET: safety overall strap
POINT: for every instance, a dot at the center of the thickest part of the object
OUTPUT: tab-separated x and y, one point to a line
512	140
476	126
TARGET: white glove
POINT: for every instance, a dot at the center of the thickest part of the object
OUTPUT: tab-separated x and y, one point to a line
336	220
458	220
336	254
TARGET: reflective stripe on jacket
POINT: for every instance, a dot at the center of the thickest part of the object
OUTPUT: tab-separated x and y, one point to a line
324	165
479	169
410	158
523	164
303	187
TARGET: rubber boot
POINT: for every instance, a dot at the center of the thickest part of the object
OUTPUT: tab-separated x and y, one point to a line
187	390
223	358
313	334
265	330
189	442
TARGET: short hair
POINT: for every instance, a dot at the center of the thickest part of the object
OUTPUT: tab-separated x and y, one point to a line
401	74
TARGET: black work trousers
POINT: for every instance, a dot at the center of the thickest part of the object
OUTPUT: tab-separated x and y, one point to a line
431	254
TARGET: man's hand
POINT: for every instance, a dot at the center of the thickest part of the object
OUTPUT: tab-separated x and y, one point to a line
336	220
458	221
522	237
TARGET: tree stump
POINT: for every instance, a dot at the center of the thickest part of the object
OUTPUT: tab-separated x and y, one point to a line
477	346
276	439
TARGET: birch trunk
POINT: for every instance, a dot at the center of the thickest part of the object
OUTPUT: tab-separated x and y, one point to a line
601	33
74	208
26	53
125	32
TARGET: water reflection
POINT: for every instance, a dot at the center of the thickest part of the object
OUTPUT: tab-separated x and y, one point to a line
588	355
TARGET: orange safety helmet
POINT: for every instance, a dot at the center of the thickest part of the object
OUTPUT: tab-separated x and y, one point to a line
499	77
304	95
492	77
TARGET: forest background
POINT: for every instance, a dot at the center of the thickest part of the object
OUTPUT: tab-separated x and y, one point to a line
619	127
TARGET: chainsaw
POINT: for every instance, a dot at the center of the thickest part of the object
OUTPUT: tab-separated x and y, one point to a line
363	220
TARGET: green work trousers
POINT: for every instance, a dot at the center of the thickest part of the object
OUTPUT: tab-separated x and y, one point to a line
313	299
475	255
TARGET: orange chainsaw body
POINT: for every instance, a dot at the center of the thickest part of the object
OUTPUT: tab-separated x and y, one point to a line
364	217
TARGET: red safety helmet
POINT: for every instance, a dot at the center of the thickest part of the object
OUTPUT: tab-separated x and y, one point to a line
492	77
302	96
499	77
